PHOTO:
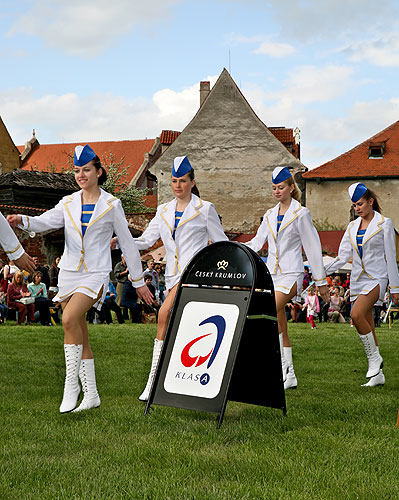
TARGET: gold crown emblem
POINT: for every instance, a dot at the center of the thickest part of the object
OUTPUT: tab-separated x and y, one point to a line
222	264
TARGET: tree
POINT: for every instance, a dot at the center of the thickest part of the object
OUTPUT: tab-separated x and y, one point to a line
132	198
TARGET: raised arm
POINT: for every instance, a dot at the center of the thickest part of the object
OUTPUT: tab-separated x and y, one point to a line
344	254
260	238
390	256
130	252
312	246
215	229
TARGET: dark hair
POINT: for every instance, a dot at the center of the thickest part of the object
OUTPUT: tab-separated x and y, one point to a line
194	189
376	205
97	163
36	273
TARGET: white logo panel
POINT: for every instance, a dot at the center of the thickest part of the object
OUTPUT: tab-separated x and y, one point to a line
202	346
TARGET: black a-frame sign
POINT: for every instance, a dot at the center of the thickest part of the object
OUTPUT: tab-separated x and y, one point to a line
222	338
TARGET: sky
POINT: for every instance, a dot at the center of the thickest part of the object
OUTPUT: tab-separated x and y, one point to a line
93	70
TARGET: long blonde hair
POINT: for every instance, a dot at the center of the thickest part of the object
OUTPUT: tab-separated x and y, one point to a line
16	274
295	193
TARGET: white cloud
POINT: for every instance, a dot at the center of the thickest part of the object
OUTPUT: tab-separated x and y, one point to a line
381	51
313	19
99	116
306	84
265	44
275	49
86	27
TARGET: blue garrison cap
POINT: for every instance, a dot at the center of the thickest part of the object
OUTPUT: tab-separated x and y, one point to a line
83	154
181	166
356	191
280	174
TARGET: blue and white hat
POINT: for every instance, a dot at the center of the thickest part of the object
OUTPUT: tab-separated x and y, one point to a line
83	154
181	166
356	191
280	174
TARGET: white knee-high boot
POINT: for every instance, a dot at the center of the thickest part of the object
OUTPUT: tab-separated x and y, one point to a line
291	381
73	356
378	379
372	353
284	365
155	358
87	375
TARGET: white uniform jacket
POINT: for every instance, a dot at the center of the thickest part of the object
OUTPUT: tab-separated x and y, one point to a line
379	252
91	251
9	241
198	224
285	247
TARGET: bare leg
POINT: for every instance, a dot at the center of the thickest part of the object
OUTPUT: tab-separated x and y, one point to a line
281	301
164	313
74	322
361	313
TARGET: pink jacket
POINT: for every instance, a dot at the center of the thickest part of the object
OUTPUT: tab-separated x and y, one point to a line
313	305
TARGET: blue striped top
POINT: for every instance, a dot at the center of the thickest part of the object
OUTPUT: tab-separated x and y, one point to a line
87	211
178	216
279	221
359	241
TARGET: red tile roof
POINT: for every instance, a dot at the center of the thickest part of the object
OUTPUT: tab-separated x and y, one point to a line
46	156
356	162
169	136
282	134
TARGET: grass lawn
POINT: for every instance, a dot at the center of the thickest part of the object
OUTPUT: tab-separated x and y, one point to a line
338	440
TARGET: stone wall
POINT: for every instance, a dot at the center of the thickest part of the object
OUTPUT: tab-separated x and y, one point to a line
233	154
329	200
9	154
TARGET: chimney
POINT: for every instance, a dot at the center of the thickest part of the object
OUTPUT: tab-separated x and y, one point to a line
205	88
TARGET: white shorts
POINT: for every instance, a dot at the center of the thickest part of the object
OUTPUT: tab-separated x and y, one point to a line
284	282
70	282
364	286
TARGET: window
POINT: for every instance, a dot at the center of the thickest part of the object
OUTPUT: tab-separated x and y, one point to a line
376	150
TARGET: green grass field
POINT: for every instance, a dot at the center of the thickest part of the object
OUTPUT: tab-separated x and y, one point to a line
338	440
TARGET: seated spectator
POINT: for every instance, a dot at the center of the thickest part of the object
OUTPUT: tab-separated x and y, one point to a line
18	290
336	285
53	273
38	291
3	307
111	305
8	272
43	270
334	310
347	281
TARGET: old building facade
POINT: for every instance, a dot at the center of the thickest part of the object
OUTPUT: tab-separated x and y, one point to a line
374	162
233	154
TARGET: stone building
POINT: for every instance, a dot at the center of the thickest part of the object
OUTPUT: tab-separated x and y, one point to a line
374	162
233	153
9	154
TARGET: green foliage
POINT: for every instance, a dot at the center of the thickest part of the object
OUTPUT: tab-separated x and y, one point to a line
132	198
337	442
325	225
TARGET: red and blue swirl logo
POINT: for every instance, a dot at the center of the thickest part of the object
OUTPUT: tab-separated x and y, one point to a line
194	361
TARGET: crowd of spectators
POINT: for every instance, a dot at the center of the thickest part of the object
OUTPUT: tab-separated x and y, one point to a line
336	311
28	297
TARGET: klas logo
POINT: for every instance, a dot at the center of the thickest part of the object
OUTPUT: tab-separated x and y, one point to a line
194	361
